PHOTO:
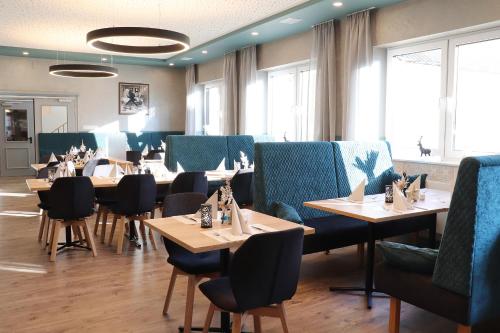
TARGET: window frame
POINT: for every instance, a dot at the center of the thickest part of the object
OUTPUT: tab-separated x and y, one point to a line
206	110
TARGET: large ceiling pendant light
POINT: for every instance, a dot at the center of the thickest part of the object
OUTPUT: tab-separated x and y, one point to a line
165	41
83	70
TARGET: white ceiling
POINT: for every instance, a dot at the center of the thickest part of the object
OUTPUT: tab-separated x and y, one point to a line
63	24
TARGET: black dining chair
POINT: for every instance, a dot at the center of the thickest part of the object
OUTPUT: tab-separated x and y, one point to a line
154	155
242	186
264	273
43	232
194	266
71	201
133	156
135	198
105	198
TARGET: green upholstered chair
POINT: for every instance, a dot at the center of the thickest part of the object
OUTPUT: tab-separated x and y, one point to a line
465	284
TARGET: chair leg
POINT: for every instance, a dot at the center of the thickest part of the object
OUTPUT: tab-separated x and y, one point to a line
142	230
152	239
51	237
236	323
54	240
77	233
394	315
47	234
120	235
88	237
98	216
104	223
257	326
112	232
170	291
152	213
188	316
282	314
208	319
464	329
42	225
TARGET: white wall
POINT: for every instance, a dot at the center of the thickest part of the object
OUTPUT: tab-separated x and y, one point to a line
98	98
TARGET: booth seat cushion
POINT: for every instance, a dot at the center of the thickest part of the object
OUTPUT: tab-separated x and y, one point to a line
196	153
357	160
409	258
286	212
57	143
294	172
237	144
418	289
334	231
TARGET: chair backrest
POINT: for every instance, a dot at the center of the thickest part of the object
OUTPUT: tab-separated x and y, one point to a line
71	198
43	173
133	156
242	186
136	194
469	255
190	182
53	164
103	161
294	172
358	160
180	204
265	269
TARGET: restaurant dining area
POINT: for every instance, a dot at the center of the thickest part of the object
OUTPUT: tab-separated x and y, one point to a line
250	166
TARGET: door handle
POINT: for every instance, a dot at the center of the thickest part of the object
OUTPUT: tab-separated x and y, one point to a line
31	139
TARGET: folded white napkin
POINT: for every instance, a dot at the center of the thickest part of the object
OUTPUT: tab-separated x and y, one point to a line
87	156
163	145
239	225
179	168
99	153
70	169
358	193
237	165
214	201
145	151
128	170
244	160
116	171
400	203
222	165
413	191
52	158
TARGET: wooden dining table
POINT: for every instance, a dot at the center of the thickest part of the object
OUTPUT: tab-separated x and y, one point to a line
188	234
112	160
374	210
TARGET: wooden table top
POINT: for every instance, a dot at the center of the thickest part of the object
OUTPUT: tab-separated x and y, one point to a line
42	184
374	209
38	166
193	238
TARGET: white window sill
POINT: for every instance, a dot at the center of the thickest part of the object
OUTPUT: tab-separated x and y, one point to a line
434	160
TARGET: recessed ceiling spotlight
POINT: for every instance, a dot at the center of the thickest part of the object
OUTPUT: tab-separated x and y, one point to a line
204	51
26	53
186	58
255	33
104	59
338	4
171	64
290	20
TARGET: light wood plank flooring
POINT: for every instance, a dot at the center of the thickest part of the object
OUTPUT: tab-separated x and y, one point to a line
113	293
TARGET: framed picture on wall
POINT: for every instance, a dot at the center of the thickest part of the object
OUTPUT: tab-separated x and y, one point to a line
133	98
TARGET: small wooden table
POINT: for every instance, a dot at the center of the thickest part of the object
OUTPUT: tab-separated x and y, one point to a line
42	184
193	238
374	210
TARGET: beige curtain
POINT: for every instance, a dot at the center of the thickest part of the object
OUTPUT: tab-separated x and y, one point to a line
358	50
248	99
230	109
323	74
194	103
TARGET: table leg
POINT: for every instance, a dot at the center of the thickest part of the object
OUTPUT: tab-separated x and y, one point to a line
225	321
369	266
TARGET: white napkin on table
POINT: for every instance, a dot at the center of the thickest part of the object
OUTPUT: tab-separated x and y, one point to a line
237	165
413	191
116	171
128	170
52	158
145	151
214	201
179	168
358	193
99	153
239	225
87	156
400	203
222	165
70	169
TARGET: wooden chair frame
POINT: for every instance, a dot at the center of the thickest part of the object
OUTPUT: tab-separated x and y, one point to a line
120	221
75	225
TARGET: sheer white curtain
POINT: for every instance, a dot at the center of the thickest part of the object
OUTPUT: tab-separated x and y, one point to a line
248	97
323	75
194	103
358	52
230	99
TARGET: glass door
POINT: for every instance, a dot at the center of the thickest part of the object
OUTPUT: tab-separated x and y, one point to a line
17	151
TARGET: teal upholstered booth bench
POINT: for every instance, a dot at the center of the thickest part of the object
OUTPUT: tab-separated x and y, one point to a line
206	152
59	143
295	172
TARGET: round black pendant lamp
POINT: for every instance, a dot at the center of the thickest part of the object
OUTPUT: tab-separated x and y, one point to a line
83	70
172	41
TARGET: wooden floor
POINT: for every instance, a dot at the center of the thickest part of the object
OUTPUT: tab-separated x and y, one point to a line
112	293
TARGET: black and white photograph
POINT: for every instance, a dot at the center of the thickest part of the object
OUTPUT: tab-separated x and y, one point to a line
134	98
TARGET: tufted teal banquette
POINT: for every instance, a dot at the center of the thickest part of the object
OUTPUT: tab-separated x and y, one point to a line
295	172
206	152
464	286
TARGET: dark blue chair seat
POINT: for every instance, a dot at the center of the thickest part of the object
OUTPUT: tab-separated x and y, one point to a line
334	231
221	294
194	263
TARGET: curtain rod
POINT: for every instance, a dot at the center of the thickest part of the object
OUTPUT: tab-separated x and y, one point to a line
363	10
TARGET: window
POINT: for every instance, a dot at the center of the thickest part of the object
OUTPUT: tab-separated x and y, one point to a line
212	116
445	93
289	104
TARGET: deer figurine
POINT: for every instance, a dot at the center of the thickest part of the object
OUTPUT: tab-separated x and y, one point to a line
423	151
